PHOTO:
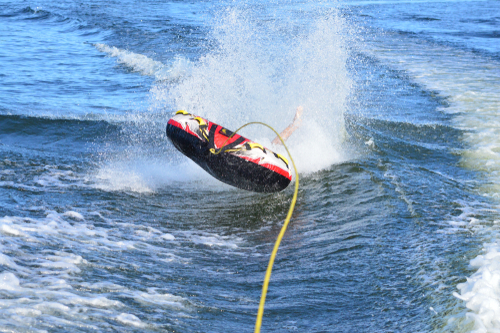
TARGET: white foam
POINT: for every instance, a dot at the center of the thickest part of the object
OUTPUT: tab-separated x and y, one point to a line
481	292
99	302
10	231
179	68
25	312
74	215
214	240
68	267
153	234
146	66
104	285
168	237
131	320
6	261
144	175
42	178
255	74
161	300
51	288
52	307
9	281
370	143
53	177
471	85
138	62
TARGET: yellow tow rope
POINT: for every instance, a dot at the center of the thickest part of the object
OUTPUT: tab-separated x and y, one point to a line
260	313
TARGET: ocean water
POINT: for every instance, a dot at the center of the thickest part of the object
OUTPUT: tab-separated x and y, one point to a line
106	227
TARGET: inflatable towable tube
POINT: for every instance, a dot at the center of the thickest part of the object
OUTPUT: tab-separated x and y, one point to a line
240	162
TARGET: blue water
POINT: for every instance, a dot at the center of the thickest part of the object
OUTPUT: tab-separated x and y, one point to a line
105	226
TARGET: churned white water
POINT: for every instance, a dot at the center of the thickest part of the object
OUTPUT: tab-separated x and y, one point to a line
470	83
147	66
105	226
49	283
255	75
